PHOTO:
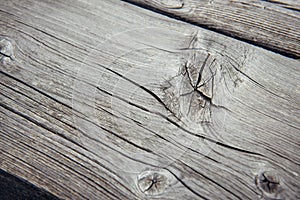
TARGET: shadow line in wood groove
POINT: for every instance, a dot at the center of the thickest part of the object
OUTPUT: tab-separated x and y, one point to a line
236	29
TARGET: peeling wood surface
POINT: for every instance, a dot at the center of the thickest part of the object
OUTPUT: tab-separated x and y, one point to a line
271	24
106	100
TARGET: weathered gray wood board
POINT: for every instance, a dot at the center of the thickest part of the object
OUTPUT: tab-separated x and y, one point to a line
290	4
270	24
105	100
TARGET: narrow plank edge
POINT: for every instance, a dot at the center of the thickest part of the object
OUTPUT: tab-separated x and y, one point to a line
256	26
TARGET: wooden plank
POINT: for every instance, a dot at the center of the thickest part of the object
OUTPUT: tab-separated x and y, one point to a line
264	23
104	100
289	4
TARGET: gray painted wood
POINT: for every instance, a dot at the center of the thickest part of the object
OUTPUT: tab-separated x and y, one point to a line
105	100
270	24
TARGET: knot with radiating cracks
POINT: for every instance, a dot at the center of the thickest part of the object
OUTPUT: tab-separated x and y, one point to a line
268	183
6	50
157	119
150	103
155	182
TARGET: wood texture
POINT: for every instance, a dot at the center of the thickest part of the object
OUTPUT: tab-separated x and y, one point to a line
290	4
270	24
105	100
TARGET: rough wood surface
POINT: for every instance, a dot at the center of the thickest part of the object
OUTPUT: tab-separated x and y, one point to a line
271	24
290	4
105	100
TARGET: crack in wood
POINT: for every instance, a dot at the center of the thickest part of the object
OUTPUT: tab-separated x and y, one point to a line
155	182
201	81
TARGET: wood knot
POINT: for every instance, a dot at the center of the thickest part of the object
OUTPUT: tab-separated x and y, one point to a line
153	182
6	50
170	4
269	184
199	81
208	75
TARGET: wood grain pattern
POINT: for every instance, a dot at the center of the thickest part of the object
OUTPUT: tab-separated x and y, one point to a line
105	100
290	4
264	23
